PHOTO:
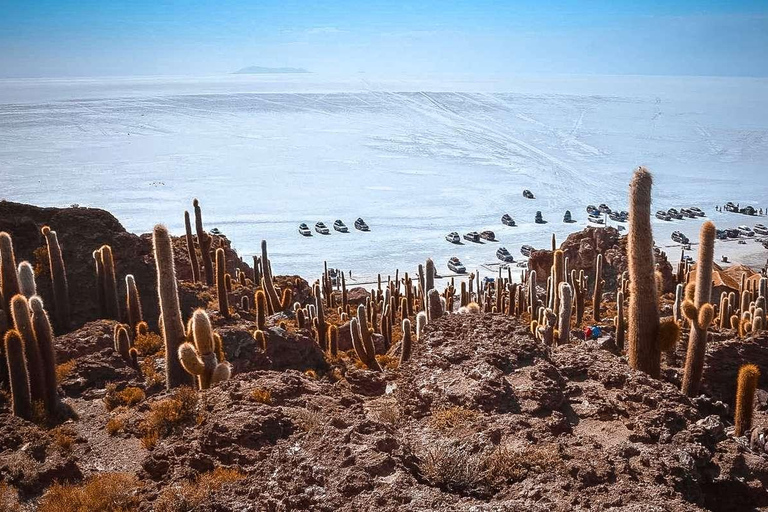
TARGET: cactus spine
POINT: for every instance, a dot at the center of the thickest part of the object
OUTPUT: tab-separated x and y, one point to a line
132	303
111	304
405	347
9	281
643	350
26	275
170	312
191	249
41	326
200	358
22	321
221	287
204	241
699	312
17	371
745	395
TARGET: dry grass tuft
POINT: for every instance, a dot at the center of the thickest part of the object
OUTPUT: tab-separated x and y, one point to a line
386	412
104	492
148	344
310	420
453	418
166	414
115	425
312	374
9	498
63	438
192	495
505	465
449	466
151	376
262	396
63	370
388	362
128	397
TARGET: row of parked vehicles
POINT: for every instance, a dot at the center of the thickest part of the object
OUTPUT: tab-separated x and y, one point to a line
689	213
338	225
723	234
472	236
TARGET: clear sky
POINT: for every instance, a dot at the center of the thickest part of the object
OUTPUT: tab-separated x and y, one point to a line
48	38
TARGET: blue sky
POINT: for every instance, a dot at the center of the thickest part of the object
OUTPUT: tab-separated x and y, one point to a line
40	38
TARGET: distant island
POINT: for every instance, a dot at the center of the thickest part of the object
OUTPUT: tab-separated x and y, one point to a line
259	70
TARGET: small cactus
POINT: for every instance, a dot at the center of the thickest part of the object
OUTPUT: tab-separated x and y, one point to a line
564	314
204	241
200	359
261	339
405	347
191	249
333	340
9	280
221	287
111	304
421	323
362	341
41	326
286	299
122	343
17	371
26	276
749	374
260	303
435	306
22	321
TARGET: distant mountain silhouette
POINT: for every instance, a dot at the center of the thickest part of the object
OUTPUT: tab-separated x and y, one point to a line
259	70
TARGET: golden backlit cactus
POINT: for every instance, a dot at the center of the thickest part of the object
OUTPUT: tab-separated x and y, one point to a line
26	277
204	241
111	303
191	249
22	323
41	326
9	280
221	287
132	303
21	400
200	358
749	374
59	281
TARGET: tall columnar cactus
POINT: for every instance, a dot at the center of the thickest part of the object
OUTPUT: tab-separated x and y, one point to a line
122	342
677	307
421	323
17	371
269	287
26	276
221	287
749	374
170	312
564	314
204	241
533	301
99	283
261	310
58	280
405	346
725	311
646	335
362	340
9	281
286	299
199	359
699	312
22	322
322	327
191	249
434	305
597	296
558	276
429	278
333	340
43	331
132	303
111	303
619	322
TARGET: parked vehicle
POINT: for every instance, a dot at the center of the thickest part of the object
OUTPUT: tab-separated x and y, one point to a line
721	234
454	265
361	225
732	233
322	229
679	237
760	229
526	250
596	219
688	213
522	264
730	207
503	254
507	220
617	216
528	194
453	237
662	215
488	235
567	217
340	227
592	210
744	230
539	219
603	208
697	211
472	236
304	229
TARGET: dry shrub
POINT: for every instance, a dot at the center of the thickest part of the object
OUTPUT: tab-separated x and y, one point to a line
262	396
505	465
166	414
9	498
386	412
453	418
151	376
450	466
312	374
194	494
40	257
388	362
63	438
63	370
149	439
148	344
103	492
309	420
115	425
127	397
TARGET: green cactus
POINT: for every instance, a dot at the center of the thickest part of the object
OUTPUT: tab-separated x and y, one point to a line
170	312
200	359
9	281
191	249
221	287
204	241
22	322
17	371
41	327
26	278
699	312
